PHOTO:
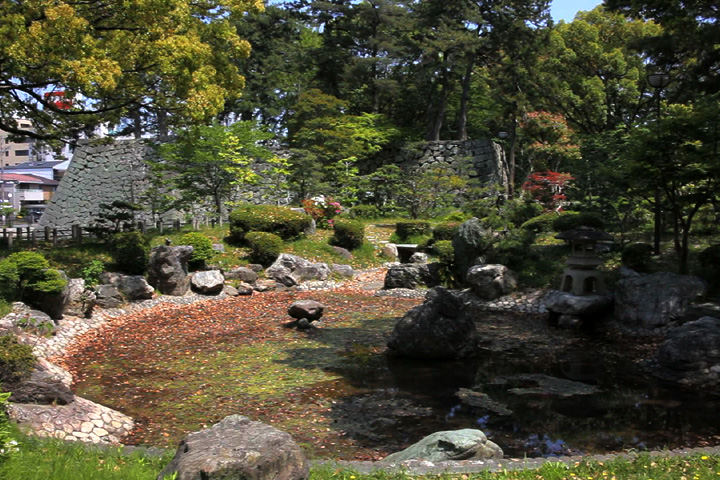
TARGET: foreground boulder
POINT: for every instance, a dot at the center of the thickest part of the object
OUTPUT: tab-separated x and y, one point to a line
470	244
132	287
80	300
450	445
490	282
168	269
690	353
25	317
238	448
309	309
652	301
209	282
108	296
47	384
289	270
566	303
437	329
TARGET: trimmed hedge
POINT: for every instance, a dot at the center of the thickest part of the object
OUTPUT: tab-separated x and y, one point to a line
16	359
445	251
202	249
445	231
572	220
348	234
264	247
637	256
411	228
130	252
281	221
364	211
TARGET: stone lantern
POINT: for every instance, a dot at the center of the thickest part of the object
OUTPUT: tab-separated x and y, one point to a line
581	276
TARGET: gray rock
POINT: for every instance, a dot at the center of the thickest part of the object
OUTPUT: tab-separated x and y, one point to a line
483	401
570	322
289	270
569	304
490	282
238	448
390	251
450	445
80	300
303	324
694	346
230	291
344	253
470	244
545	385
265	286
419	257
243	274
168	270
309	309
108	296
218	247
244	289
255	267
208	282
43	386
412	275
345	271
133	287
437	329
651	301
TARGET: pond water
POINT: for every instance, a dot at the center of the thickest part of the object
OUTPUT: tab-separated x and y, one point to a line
568	393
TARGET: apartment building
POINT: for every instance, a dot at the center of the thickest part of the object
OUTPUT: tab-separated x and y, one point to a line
15	150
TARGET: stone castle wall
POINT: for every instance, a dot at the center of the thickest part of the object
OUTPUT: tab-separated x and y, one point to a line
102	173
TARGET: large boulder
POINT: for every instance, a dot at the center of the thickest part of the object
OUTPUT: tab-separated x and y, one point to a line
168	270
108	296
209	282
25	317
490	282
437	329
238	448
289	270
652	301
691	353
47	384
566	303
244	274
80	299
470	244
51	303
412	275
132	287
309	309
450	445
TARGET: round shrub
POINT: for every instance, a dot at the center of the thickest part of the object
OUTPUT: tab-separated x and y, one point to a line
24	275
572	220
364	211
282	221
348	234
423	242
16	359
445	231
411	228
445	251
264	247
541	223
130	252
202	249
637	256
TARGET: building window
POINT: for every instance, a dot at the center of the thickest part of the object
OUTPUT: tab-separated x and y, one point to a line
22	153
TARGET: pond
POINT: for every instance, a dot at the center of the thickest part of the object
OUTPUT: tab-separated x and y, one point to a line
535	390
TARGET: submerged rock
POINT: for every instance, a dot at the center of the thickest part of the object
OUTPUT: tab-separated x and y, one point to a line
539	384
483	401
449	445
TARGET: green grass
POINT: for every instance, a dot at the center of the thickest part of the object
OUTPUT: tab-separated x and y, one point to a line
643	467
49	459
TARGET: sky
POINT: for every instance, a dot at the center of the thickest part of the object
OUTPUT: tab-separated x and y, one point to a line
566	9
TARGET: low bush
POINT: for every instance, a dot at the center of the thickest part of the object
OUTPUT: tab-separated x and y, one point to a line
281	221
24	275
91	272
444	251
130	252
349	234
364	211
202	249
572	220
264	247
445	231
16	360
411	228
637	256
446	263
542	223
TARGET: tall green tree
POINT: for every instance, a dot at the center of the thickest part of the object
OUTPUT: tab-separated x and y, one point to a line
111	60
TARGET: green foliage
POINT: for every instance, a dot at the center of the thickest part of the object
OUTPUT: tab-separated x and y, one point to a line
446	263
202	249
5	446
364	212
115	217
411	228
16	359
638	256
445	251
349	234
130	252
23	275
264	247
542	223
91	272
512	248
445	231
282	221
572	220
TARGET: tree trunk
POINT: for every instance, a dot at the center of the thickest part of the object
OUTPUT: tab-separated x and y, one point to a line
465	100
438	114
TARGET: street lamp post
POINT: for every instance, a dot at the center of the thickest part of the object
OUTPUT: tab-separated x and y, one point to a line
658	81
